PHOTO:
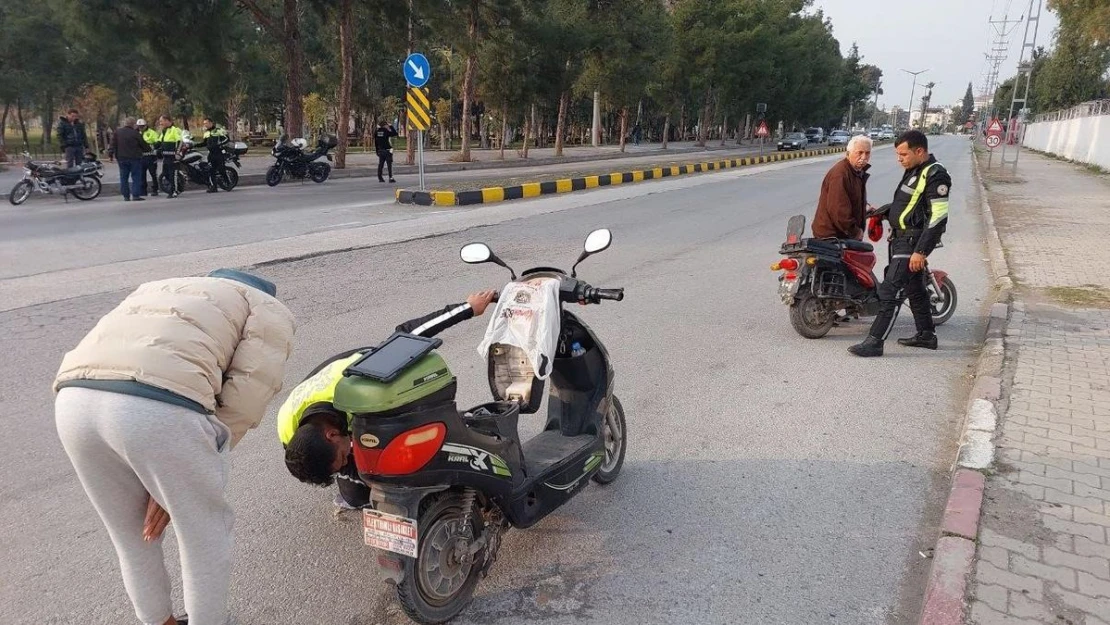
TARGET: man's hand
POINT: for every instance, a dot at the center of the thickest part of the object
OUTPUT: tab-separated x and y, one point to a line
917	262
156	520
478	301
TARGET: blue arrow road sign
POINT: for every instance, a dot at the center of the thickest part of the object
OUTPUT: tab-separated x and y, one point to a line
417	70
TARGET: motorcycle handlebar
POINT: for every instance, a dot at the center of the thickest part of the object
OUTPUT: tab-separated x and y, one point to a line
594	296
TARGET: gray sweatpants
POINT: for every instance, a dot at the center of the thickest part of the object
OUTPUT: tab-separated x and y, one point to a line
124	447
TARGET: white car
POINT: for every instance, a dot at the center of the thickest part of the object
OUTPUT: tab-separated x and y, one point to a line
886	135
839	137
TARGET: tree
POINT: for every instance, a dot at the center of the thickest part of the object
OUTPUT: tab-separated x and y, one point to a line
966	108
1094	22
346	53
287	30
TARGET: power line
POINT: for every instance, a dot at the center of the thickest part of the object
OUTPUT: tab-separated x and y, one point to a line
997	50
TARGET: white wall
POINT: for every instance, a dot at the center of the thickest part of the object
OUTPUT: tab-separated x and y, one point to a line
1083	139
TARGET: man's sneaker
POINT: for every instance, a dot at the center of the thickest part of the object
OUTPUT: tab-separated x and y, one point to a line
138	199
928	340
871	347
391	181
380	179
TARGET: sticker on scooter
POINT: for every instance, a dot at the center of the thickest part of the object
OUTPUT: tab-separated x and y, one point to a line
477	459
389	532
591	463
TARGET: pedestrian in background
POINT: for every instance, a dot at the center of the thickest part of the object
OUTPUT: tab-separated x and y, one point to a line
383	145
128	148
148	406
150	162
72	137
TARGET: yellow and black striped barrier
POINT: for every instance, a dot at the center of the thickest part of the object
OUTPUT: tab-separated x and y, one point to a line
567	185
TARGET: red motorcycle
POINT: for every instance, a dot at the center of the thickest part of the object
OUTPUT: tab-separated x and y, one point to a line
823	280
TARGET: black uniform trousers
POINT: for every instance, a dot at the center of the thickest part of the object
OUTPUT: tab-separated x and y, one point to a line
900	284
150	167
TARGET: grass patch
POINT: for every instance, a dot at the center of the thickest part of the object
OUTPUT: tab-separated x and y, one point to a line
1086	296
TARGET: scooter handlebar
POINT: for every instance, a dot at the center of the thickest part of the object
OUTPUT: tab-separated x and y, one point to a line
594	296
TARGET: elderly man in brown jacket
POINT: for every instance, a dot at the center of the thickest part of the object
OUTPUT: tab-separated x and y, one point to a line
842	206
148	406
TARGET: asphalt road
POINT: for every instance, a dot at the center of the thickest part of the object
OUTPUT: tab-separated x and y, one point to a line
48	234
769	479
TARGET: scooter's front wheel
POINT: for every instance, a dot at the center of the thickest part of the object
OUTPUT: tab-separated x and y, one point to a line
942	304
615	433
440	582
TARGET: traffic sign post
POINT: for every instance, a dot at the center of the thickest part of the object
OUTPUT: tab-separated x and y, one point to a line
762	133
993	138
418	71
420	118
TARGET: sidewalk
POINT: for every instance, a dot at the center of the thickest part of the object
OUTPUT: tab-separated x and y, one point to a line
1044	546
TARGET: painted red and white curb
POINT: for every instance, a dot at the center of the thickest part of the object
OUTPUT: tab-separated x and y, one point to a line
954	556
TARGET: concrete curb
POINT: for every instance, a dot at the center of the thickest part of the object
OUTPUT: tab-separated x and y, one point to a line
567	185
954	556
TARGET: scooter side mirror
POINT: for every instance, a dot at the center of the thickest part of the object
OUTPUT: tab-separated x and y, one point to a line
478	253
596	242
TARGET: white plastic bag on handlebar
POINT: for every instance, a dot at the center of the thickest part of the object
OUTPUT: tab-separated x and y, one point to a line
527	316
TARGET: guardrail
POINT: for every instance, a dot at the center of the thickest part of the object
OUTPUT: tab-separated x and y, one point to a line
1086	109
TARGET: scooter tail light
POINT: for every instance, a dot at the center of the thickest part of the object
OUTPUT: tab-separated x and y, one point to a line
411	450
789	264
791	276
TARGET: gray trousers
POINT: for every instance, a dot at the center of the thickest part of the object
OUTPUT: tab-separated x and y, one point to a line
124	447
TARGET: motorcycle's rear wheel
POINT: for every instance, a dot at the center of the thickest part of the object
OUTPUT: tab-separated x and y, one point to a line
810	318
319	172
20	192
90	191
438	584
229	179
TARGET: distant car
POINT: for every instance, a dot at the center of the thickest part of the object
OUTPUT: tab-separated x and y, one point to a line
886	135
875	133
815	135
793	141
839	137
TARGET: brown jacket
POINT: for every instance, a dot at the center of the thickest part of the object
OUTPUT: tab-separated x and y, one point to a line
842	206
216	342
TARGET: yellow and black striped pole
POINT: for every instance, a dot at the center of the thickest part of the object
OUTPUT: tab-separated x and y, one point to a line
420	117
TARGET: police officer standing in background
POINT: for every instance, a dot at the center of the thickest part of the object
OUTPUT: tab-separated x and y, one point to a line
214	140
918	217
150	164
384	147
166	144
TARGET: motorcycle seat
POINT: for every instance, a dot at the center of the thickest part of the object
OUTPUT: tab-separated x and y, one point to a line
857	246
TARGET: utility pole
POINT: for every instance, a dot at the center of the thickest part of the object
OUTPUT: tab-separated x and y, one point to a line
595	128
925	103
909	122
1025	71
998	50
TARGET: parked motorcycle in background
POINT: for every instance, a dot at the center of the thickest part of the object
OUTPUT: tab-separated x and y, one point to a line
293	161
821	278
192	166
82	180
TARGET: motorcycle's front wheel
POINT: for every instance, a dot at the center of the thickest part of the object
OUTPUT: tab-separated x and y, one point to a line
943	304
20	192
273	176
440	582
89	191
615	433
810	318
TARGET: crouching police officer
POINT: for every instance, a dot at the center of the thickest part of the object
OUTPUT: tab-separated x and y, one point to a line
316	436
918	217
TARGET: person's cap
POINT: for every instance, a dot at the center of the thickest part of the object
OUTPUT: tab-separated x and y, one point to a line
250	280
140	122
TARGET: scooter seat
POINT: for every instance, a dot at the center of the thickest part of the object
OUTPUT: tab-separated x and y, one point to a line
857	246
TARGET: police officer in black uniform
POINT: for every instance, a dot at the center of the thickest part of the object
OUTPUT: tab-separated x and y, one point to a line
918	217
384	147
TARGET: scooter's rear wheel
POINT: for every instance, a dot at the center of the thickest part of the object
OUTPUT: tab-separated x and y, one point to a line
615	433
810	318
440	582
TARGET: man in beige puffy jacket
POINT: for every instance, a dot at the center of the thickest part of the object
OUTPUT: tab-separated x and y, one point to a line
148	406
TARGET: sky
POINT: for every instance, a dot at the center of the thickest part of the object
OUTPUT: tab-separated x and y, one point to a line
947	37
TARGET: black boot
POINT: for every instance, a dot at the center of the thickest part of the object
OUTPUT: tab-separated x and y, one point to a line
928	340
869	348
